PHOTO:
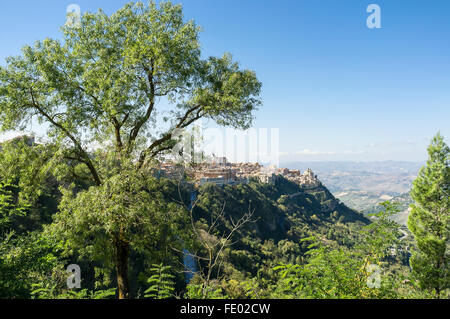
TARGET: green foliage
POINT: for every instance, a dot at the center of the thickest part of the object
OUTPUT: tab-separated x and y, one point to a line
382	234
246	289
27	260
331	272
161	283
8	208
49	291
204	291
130	206
429	220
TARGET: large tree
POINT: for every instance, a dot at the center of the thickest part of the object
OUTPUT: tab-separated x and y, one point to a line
100	87
429	219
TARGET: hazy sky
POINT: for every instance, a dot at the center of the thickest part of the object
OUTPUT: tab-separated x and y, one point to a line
336	89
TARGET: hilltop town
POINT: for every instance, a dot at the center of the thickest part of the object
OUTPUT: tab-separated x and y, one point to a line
221	172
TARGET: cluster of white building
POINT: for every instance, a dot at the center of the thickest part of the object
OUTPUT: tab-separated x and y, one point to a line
220	172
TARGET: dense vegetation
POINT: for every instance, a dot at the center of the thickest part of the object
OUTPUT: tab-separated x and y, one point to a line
308	245
134	235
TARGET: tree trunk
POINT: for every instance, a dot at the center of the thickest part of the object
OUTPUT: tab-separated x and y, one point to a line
122	254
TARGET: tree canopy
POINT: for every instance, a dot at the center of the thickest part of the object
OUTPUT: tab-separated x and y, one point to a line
429	219
105	81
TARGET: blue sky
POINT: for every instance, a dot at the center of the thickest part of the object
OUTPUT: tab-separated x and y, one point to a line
336	89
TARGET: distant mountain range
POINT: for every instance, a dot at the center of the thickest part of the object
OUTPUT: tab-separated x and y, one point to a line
363	185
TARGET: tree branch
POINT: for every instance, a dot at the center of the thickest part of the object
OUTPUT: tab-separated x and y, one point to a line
151	95
183	122
83	153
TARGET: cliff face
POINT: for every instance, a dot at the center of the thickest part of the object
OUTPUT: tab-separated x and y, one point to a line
284	213
277	207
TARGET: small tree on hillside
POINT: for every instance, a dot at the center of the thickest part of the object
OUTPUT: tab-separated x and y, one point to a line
429	220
